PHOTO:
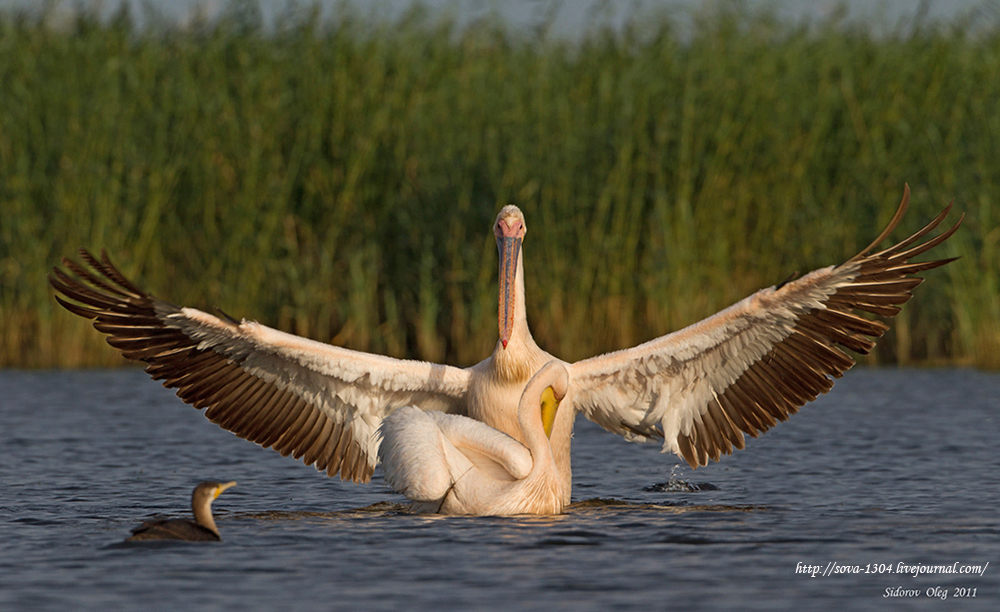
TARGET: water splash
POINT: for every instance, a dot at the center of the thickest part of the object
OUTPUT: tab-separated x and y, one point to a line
676	485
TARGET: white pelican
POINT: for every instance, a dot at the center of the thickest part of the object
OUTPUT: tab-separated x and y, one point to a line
700	389
451	464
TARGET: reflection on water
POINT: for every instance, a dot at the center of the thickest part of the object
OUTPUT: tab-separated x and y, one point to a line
892	466
588	507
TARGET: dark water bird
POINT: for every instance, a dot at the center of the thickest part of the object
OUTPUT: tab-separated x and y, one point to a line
700	390
201	529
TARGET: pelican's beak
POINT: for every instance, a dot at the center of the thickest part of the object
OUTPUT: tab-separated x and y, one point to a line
510	248
549	406
222	487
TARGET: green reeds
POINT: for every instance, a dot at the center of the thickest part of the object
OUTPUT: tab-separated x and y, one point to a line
338	180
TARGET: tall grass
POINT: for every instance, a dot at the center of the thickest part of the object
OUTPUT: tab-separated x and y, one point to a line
338	179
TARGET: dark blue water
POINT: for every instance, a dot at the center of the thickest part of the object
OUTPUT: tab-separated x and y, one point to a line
892	467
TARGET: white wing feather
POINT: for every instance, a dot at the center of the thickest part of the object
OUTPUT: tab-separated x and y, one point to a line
658	389
756	362
315	401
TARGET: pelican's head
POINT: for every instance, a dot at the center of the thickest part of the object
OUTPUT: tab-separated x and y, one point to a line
509	230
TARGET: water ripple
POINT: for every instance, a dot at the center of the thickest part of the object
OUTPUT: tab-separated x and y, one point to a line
891	466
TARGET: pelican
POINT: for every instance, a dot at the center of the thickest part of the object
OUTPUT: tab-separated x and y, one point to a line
451	464
201	529
700	389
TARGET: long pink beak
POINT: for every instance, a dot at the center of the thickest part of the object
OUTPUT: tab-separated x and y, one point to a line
509	247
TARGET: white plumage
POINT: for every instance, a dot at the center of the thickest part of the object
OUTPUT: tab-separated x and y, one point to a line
700	389
452	464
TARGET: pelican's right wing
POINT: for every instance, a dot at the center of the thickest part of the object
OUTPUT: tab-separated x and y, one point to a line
311	400
753	364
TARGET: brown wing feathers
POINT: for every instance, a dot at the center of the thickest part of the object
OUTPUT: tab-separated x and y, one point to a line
804	364
236	400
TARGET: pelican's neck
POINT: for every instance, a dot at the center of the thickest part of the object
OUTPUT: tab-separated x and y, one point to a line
203	514
522	357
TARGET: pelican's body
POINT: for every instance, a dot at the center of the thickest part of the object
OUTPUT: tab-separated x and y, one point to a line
496	384
451	464
699	389
201	529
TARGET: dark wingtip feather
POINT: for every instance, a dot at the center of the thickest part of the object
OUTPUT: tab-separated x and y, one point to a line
129	318
896	218
807	360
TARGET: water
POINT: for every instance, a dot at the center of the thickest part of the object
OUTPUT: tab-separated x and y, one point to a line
894	466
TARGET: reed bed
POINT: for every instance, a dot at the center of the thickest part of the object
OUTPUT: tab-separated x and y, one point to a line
338	179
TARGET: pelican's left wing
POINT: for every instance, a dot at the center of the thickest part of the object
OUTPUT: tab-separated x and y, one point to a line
314	401
756	362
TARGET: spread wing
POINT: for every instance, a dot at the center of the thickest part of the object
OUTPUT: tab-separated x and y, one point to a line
314	401
755	363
